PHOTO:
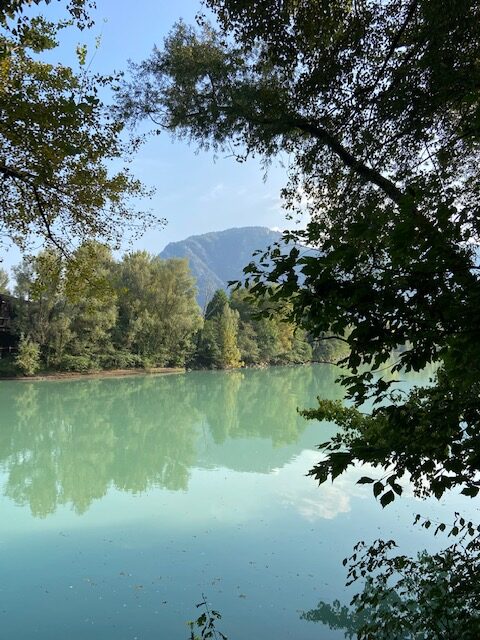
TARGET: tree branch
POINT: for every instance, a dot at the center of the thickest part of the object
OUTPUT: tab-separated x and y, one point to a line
394	44
45	221
10	172
359	167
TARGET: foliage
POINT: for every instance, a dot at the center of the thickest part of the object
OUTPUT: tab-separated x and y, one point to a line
227	337
67	305
216	305
58	140
92	305
377	106
28	357
79	363
206	624
244	330
3	281
217	343
430	597
406	438
89	312
158	314
278	340
39	283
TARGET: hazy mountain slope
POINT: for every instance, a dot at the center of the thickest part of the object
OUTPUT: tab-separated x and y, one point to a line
220	256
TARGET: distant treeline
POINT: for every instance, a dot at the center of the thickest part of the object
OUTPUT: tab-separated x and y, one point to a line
94	312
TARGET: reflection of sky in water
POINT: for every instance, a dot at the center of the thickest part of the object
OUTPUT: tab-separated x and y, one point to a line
152	491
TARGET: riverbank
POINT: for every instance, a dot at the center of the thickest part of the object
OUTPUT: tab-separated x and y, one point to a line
105	373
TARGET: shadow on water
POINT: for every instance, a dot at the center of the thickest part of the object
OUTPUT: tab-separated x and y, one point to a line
69	442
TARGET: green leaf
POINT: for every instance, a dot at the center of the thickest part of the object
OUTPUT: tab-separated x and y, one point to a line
387	498
365	480
378	487
471	492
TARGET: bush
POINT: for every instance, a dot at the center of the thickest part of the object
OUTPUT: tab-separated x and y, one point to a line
28	357
120	360
82	364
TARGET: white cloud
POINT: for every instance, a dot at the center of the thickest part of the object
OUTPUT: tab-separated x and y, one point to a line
214	193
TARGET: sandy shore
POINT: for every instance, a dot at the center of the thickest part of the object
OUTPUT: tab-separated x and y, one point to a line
109	373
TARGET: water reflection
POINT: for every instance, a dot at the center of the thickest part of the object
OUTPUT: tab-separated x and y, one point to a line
69	442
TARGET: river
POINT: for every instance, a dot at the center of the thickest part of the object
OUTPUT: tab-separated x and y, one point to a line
124	500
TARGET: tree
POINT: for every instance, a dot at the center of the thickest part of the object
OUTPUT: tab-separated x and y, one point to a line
68	307
378	108
3	281
158	313
230	357
91	303
216	304
58	140
217	342
40	292
28	357
265	321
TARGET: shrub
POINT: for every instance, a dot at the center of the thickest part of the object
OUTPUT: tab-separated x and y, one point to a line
120	360
28	357
82	364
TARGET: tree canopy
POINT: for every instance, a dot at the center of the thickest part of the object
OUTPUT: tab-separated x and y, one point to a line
59	144
377	106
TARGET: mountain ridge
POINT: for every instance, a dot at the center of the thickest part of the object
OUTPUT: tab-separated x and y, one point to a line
218	257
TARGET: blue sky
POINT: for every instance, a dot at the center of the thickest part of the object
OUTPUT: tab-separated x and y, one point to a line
195	192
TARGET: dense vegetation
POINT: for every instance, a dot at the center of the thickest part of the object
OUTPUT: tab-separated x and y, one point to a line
93	312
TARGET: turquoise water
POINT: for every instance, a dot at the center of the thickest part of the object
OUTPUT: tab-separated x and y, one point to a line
124	500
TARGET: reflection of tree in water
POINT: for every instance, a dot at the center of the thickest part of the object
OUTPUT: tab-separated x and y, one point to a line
429	597
156	430
218	402
263	403
335	616
68	442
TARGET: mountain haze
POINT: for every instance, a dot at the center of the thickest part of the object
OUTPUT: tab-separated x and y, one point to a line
220	256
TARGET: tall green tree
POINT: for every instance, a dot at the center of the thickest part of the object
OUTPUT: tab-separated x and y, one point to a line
68	307
216	304
230	356
217	342
40	311
58	139
158	313
91	302
266	322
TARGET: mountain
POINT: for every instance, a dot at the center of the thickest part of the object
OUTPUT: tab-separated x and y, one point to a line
220	256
